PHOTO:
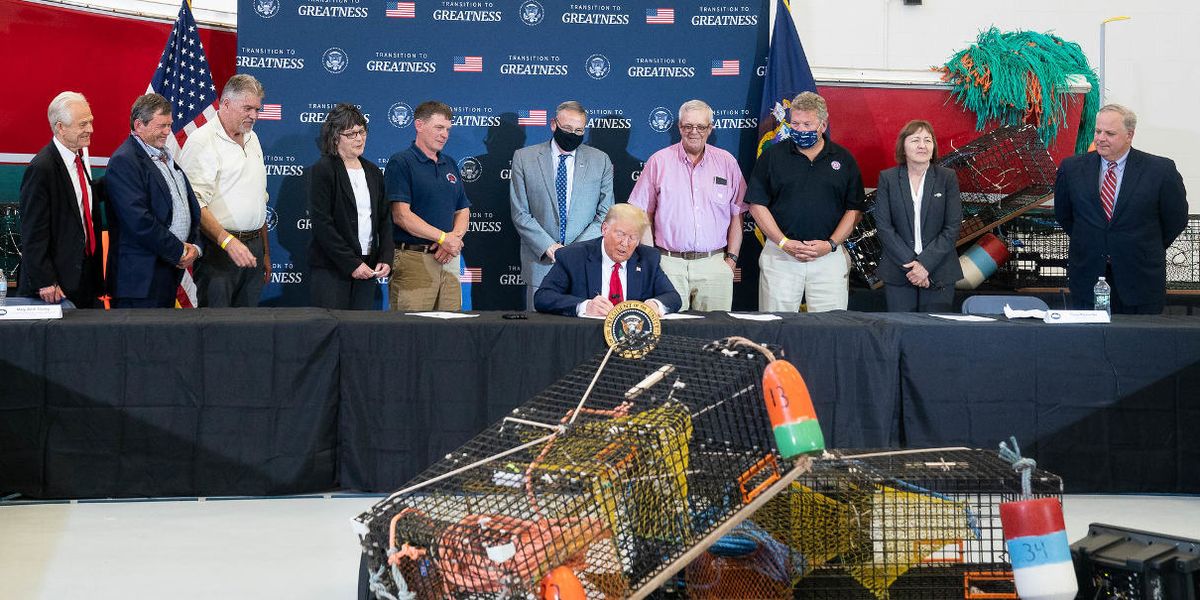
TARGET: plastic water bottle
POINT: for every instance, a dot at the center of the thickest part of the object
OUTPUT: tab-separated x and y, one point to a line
1102	294
3	287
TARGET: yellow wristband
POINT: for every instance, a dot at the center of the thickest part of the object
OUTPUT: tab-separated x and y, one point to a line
442	240
225	242
783	240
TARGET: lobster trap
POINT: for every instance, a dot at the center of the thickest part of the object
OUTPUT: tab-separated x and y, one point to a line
1001	174
893	526
617	472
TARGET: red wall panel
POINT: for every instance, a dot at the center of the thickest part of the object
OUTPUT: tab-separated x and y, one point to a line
108	58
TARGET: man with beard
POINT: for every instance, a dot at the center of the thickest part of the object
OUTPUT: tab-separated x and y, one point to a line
224	161
560	191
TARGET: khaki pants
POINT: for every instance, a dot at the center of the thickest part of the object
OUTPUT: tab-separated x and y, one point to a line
704	284
783	281
420	282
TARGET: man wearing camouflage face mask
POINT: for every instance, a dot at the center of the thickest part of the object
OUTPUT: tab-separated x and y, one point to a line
806	195
560	191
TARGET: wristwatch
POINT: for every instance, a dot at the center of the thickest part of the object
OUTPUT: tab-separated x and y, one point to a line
731	256
832	244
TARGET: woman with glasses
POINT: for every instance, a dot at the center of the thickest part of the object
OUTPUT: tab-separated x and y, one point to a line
917	216
351	244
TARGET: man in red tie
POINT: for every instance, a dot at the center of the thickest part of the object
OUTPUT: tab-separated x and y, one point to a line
60	250
1122	208
589	278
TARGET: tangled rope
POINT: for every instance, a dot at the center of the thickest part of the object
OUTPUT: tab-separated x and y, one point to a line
1024	466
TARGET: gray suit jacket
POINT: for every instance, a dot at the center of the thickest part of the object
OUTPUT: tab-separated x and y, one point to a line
534	203
941	218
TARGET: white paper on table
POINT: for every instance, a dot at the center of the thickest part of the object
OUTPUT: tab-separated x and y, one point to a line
967	318
587	316
1031	313
441	314
680	316
754	316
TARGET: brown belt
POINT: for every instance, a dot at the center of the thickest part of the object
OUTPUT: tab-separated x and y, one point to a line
692	255
425	248
245	236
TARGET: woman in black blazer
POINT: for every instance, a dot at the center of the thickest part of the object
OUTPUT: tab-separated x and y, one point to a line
918	276
351	242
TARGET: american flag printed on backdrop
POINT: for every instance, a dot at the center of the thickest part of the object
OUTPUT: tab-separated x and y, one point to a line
660	16
471	275
185	79
401	10
271	112
535	118
726	67
468	64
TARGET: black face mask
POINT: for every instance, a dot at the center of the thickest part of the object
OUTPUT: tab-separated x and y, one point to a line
566	140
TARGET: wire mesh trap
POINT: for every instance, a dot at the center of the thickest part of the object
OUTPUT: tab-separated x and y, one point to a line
616	471
898	526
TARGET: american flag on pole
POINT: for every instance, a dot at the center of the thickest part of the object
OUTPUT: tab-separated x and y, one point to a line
471	275
535	118
726	67
660	16
401	10
271	112
185	79
468	64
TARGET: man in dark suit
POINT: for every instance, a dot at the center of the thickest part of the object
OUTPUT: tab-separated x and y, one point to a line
60	250
1122	208
157	213
589	278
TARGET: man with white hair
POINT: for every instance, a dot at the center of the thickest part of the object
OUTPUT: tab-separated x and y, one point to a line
224	162
1121	207
692	193
60	249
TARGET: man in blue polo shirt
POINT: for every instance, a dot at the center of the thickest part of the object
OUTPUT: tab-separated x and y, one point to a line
430	211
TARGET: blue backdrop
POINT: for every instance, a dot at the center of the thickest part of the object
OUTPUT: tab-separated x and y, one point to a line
502	67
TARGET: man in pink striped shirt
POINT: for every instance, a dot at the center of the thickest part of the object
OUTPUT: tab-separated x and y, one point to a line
693	194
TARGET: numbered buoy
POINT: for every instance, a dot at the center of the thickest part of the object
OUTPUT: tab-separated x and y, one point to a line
561	584
793	419
1036	540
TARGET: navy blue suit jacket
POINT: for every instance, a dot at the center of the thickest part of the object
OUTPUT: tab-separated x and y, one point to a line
576	277
146	251
1151	211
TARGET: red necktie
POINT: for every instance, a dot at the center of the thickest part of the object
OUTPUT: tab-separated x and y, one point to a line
1108	191
87	207
615	293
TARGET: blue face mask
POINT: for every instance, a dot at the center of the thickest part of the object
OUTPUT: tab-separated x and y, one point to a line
805	139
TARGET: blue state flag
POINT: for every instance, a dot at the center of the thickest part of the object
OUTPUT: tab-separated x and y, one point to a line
787	75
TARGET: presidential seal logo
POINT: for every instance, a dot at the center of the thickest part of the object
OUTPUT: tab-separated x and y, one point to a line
598	66
451	178
470	169
400	115
660	119
632	327
272	219
266	8
837	165
335	60
532	12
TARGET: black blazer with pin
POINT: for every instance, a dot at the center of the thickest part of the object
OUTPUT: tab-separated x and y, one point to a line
334	213
52	237
1150	212
941	219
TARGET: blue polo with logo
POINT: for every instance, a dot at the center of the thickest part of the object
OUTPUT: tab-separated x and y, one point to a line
433	189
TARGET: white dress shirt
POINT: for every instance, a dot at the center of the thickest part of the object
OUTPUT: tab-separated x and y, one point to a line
68	158
917	194
228	178
362	202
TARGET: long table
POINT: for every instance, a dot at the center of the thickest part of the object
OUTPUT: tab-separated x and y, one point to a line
280	401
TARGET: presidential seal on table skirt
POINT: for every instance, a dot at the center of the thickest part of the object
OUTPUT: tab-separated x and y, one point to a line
637	321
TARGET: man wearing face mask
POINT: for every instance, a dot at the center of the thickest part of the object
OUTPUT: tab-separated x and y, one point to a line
560	191
806	196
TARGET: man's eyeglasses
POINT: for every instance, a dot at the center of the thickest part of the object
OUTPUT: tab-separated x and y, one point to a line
690	128
352	135
578	131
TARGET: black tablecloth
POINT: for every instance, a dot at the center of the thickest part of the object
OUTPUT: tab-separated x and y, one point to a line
278	401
